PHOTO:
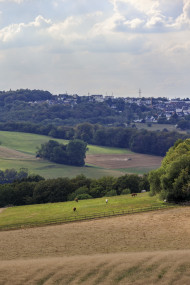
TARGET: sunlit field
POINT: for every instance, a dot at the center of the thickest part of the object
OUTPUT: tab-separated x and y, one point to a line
45	213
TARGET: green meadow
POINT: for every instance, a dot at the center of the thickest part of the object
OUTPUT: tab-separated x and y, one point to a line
45	213
28	143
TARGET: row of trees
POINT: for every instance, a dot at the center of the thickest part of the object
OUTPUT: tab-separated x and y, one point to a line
142	141
73	153
11	175
36	190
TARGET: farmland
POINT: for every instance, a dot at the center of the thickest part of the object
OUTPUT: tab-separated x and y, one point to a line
145	248
18	150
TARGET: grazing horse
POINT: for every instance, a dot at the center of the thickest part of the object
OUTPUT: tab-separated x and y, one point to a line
134	194
74	209
106	201
76	199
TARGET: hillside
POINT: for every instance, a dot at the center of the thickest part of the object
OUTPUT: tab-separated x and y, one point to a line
17	150
147	248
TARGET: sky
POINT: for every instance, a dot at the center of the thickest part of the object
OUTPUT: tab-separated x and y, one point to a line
108	47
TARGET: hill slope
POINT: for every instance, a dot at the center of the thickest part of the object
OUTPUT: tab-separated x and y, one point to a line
146	248
18	150
170	267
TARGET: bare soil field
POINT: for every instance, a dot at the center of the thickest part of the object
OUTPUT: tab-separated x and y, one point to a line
116	161
145	248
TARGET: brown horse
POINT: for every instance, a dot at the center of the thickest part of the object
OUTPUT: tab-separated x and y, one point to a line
134	194
74	209
76	200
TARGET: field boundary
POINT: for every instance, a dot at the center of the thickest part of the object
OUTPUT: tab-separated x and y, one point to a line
77	218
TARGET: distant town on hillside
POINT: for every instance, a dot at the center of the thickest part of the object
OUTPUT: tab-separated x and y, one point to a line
44	107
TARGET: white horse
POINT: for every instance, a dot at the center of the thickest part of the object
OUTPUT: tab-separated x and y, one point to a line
106	201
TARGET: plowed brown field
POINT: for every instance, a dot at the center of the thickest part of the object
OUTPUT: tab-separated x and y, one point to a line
116	161
146	248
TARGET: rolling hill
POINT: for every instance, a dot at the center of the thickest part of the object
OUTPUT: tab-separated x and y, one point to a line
18	150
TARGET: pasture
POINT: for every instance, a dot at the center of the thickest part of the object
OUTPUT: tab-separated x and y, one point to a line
46	213
18	150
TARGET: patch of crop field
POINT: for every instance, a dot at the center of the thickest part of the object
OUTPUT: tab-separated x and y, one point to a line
124	161
166	268
44	213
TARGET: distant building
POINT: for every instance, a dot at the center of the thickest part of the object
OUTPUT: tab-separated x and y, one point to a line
97	98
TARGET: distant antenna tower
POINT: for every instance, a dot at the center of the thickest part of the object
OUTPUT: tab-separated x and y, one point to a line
140	92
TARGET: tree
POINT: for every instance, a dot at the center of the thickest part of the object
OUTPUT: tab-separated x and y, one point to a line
76	151
85	132
128	181
73	153
172	179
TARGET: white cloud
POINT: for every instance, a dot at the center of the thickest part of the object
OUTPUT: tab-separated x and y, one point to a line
151	15
16	1
24	34
103	45
184	19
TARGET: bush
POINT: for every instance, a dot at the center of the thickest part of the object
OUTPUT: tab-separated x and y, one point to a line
111	193
126	191
71	196
82	190
84	196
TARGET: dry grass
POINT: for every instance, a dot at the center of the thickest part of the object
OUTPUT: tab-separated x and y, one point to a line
146	248
169	268
8	153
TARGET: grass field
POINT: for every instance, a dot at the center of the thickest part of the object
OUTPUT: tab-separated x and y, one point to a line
45	213
28	143
15	145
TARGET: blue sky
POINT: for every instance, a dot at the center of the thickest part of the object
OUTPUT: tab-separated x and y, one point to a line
96	46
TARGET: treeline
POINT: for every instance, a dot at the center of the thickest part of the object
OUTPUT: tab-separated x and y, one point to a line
36	190
73	153
141	141
11	175
23	95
